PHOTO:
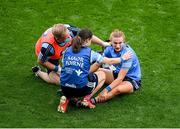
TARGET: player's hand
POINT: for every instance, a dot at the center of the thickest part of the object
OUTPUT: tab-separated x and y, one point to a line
100	99
106	44
103	93
126	56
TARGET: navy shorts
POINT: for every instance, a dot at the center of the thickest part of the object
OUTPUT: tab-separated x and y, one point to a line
136	84
81	92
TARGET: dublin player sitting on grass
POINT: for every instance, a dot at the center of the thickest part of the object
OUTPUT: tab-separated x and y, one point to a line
76	79
125	77
49	48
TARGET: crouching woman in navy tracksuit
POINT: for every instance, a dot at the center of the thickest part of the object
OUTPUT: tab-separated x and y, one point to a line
76	80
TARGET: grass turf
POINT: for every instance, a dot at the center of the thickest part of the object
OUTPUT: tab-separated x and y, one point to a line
152	29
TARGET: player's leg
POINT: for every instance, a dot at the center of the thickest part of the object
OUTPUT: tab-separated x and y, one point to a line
54	78
97	79
49	77
124	88
108	74
101	76
43	75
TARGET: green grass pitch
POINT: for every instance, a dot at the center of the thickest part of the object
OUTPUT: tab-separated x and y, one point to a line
151	28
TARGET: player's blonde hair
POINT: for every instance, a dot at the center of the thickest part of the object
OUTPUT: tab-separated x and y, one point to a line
116	34
58	30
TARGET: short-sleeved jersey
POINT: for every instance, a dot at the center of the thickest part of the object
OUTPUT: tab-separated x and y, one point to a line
133	65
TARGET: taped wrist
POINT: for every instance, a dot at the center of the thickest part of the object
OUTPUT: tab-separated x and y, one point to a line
108	88
56	68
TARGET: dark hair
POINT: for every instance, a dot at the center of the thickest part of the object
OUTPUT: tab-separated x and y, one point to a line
80	39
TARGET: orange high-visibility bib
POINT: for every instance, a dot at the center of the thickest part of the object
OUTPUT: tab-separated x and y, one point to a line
49	38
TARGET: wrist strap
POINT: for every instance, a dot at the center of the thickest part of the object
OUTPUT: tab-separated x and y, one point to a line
56	68
108	88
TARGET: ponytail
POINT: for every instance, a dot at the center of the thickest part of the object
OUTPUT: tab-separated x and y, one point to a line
76	44
80	39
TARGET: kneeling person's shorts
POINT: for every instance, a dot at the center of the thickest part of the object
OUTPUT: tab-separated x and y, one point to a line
80	92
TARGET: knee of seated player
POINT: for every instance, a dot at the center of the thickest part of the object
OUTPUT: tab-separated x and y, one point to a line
123	89
116	91
101	75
